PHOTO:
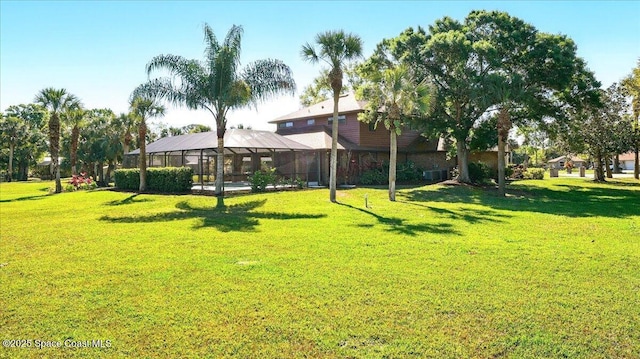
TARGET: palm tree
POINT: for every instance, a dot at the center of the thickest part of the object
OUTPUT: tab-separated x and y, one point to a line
218	85
125	123
334	48
74	116
507	92
56	101
395	99
142	109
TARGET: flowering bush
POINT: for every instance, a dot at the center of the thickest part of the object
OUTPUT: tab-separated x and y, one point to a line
79	182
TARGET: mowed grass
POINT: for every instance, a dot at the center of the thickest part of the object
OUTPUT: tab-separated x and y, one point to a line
551	271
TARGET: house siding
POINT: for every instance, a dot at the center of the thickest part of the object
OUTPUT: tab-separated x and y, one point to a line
351	163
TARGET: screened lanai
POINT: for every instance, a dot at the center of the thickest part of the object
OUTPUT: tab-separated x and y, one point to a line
245	151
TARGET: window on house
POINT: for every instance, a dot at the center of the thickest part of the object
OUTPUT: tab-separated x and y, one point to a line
285	124
341	119
311	122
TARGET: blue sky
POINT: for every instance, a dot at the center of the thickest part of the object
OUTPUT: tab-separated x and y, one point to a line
98	50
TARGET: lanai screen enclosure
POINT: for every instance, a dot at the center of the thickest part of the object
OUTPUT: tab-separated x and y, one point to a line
245	152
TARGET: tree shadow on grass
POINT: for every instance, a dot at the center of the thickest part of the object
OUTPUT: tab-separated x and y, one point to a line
605	200
239	217
398	225
129	200
25	198
468	214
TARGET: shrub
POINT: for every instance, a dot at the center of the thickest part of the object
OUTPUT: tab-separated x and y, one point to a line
534	173
165	179
80	182
260	179
300	183
408	172
127	179
374	176
479	172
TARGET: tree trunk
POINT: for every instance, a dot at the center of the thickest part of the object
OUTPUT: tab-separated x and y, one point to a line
504	125
607	160
107	177
598	174
142	133
10	169
463	162
333	170
501	167
54	148
100	181
636	166
220	168
23	171
616	164
75	133
127	141
393	159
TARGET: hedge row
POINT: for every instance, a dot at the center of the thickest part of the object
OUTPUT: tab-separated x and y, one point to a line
165	179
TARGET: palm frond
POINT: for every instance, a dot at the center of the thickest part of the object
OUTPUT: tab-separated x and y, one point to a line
174	64
267	78
233	40
212	46
309	53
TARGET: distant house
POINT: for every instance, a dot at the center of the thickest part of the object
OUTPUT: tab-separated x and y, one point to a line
490	157
627	161
47	165
559	162
361	146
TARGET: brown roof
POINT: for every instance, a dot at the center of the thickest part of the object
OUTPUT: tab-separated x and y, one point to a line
316	140
563	158
629	156
347	103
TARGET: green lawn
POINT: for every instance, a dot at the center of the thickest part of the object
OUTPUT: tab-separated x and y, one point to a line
551	271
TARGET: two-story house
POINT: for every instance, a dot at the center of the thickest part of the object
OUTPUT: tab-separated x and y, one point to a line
361	146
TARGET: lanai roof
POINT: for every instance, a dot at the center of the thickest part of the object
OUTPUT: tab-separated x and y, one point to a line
235	141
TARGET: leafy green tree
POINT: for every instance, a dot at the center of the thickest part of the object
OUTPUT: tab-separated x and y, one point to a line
394	98
631	84
335	48
218	84
239	127
535	140
32	144
320	89
56	101
100	143
12	131
144	107
490	62
599	129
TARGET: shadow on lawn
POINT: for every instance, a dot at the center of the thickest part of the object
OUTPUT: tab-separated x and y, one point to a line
129	200
25	198
468	214
239	217
398	225
607	200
